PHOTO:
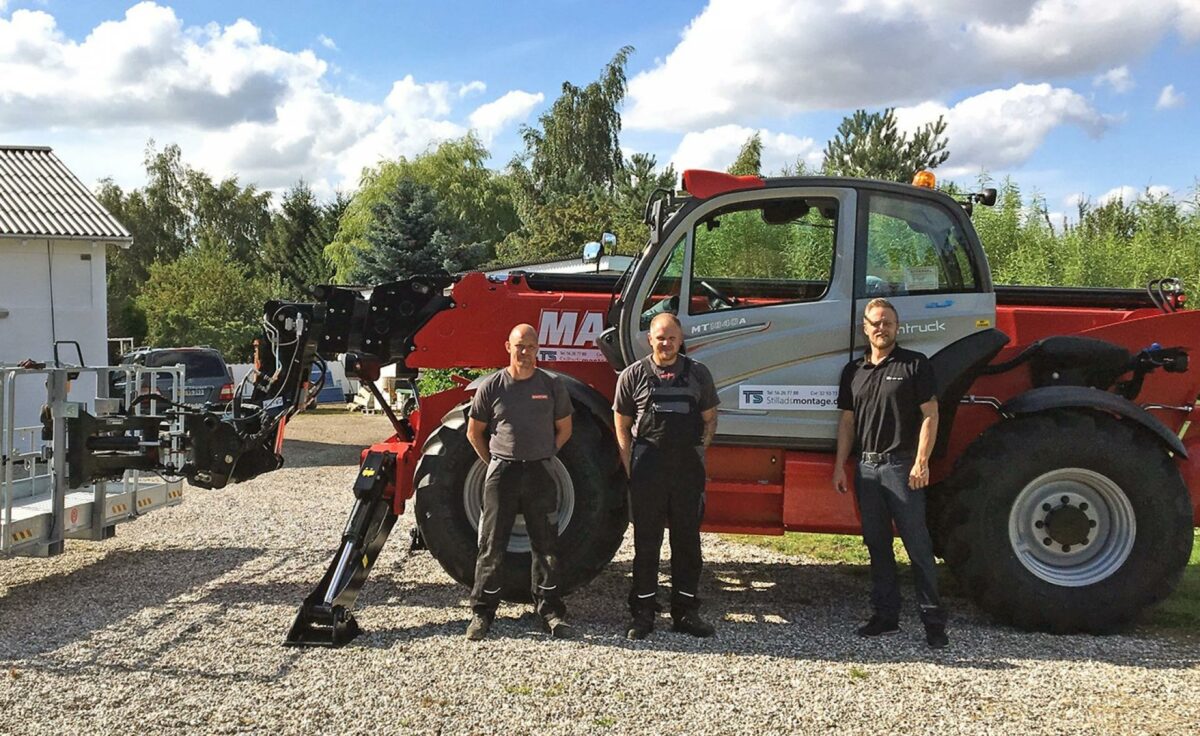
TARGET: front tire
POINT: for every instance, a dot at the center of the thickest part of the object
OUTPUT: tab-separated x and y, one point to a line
1067	521
592	516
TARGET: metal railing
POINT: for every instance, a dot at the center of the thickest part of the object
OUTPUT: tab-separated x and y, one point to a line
35	493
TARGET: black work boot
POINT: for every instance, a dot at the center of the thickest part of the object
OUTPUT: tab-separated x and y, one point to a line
879	626
557	627
640	625
691	623
478	628
935	636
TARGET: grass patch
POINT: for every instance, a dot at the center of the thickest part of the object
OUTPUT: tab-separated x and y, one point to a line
604	722
1179	612
518	689
858	673
1182	609
842	548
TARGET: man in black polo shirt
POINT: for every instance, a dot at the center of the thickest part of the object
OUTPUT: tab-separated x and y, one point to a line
529	413
889	418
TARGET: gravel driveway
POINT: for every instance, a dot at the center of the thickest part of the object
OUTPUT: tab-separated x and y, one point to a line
175	626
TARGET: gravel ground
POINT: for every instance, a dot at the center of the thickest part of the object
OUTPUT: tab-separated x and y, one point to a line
175	626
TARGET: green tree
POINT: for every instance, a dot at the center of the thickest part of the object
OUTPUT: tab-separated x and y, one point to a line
409	236
294	250
749	159
475	199
870	145
223	309
177	209
578	145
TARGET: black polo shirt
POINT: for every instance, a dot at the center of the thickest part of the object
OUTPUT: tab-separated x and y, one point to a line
886	400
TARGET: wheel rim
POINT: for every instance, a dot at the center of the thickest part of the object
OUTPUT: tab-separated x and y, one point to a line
1072	527
518	541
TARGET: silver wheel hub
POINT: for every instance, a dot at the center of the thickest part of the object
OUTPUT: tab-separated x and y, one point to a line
1072	527
518	541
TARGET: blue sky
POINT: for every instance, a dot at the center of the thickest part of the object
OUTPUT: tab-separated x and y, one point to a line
1093	98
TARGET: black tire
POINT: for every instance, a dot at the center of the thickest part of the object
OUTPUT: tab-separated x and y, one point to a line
597	514
1026	544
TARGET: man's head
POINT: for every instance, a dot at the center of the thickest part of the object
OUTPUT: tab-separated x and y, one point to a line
522	347
880	324
666	337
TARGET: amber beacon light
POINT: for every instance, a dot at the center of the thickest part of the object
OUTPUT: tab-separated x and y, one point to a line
924	179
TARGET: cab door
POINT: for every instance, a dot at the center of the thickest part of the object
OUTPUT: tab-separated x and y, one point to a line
916	251
762	283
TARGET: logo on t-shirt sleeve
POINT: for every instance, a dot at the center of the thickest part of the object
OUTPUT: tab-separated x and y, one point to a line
540	396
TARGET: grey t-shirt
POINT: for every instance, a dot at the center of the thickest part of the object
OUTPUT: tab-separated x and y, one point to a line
521	414
634	386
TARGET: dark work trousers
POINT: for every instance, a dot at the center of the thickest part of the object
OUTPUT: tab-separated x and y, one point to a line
666	485
883	497
512	488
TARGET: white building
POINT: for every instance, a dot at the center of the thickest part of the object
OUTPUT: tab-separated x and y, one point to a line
53	240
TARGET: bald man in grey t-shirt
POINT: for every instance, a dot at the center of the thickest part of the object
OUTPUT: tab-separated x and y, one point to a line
529	413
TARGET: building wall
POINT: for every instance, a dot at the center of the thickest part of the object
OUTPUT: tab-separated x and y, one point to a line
31	271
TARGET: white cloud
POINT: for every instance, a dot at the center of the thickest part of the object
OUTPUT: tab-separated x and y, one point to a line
1118	78
1169	99
738	60
470	88
717	148
1003	127
237	104
327	42
490	118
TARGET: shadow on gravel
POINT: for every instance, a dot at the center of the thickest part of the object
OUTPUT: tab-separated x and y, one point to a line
800	612
52	612
308	454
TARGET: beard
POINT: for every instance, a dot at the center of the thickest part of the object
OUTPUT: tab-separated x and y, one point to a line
883	341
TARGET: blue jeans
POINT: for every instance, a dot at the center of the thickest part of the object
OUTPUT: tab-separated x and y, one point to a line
883	498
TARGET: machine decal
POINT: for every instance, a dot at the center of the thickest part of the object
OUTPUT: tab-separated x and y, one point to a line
940	305
723	324
787	398
981	324
915	329
567	336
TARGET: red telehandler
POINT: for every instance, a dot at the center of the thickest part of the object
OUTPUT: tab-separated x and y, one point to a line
1065	484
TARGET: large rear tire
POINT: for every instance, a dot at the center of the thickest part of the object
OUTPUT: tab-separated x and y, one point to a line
592	514
1067	521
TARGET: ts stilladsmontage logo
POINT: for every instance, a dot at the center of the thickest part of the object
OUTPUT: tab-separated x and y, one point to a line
569	336
787	398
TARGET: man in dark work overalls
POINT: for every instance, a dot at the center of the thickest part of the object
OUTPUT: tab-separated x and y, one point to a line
665	412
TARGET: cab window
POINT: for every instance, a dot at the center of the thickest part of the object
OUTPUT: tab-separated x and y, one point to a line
664	294
762	253
914	247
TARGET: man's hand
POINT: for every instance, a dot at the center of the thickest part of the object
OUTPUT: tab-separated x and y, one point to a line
918	477
839	478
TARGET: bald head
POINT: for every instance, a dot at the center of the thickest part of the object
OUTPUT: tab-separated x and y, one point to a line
522	347
666	318
521	332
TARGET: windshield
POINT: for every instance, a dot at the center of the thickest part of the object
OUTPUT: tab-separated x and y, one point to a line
197	364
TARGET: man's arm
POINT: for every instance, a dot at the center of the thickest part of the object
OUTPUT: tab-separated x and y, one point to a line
624	427
477	436
919	477
845	440
562	432
710	426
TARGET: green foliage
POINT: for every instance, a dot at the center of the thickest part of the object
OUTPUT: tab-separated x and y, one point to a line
1116	244
295	247
572	182
474	201
869	145
205	297
749	159
177	209
408	236
578	145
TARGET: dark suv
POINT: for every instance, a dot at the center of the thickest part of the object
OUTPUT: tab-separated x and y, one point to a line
206	377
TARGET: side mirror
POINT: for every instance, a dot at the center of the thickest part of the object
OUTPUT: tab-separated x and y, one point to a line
987	197
609	241
592	252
